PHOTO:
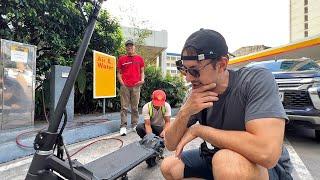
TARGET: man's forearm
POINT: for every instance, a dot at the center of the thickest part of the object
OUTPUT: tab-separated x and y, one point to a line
252	147
120	78
177	129
166	123
142	77
148	129
166	126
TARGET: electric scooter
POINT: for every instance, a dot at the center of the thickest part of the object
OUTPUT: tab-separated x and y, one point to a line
46	165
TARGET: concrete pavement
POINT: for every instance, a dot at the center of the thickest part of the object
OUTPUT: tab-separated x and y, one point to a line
305	159
17	169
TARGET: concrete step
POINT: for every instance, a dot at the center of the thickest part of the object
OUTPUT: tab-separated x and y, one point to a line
9	150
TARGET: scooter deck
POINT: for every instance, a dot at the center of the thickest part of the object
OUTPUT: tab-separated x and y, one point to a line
118	163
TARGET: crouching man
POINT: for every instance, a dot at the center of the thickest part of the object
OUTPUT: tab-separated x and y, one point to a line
241	118
156	114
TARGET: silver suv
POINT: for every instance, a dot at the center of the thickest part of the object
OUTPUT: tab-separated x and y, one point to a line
299	89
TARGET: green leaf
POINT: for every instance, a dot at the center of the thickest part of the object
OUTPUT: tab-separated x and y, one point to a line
81	81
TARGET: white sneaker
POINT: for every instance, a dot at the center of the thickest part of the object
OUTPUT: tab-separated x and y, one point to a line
123	131
134	128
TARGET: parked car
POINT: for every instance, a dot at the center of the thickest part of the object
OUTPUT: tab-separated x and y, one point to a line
299	89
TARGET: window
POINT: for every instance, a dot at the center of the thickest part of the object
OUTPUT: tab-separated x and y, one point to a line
168	64
305	10
305	2
305	26
287	65
173	71
305	33
309	66
305	18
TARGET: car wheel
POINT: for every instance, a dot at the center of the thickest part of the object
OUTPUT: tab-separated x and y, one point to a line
317	132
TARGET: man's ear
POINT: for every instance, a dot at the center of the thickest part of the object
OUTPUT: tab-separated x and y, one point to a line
222	64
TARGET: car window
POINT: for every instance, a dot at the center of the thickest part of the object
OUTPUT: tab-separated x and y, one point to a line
287	65
309	66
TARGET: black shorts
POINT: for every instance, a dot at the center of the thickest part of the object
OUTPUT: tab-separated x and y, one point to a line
200	167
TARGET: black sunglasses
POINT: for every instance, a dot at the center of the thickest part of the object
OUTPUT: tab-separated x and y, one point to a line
195	72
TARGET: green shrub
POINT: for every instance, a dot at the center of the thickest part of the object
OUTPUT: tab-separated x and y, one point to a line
171	85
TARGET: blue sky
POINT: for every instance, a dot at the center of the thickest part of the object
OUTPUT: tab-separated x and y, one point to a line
242	23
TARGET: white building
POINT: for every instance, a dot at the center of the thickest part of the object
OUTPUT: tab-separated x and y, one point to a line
304	19
171	63
155	44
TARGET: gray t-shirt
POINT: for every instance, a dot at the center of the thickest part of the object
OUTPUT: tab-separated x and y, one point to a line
158	116
252	93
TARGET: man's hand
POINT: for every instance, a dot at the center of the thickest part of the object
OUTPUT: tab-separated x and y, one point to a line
162	134
200	99
187	137
139	83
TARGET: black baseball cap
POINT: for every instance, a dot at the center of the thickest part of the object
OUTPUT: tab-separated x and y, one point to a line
208	44
129	42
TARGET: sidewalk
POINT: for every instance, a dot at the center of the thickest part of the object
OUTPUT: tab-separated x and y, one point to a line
76	137
17	169
84	127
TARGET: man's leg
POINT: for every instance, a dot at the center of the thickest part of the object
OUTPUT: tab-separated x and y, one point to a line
141	130
135	97
157	130
124	100
172	168
227	164
191	165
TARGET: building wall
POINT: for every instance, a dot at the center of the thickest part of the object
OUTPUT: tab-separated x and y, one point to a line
157	39
171	59
314	21
304	19
249	49
153	49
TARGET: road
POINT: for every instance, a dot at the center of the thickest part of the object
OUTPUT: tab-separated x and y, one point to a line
305	152
307	148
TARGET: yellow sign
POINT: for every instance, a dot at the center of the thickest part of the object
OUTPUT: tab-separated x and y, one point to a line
104	75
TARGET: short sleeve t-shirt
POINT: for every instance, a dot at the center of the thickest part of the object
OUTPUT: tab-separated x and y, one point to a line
130	69
158	118
252	93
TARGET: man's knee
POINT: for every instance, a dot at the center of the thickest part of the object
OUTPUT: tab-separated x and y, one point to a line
229	164
166	165
172	168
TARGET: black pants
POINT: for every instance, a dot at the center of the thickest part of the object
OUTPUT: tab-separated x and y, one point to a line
200	166
141	130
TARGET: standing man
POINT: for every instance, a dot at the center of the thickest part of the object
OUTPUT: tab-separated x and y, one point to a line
241	119
156	114
131	76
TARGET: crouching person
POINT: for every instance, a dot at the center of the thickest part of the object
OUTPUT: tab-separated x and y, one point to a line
156	114
240	118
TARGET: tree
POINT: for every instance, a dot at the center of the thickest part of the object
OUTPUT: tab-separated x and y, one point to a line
56	28
140	34
139	30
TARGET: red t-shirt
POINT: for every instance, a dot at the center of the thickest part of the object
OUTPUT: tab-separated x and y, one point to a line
130	69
